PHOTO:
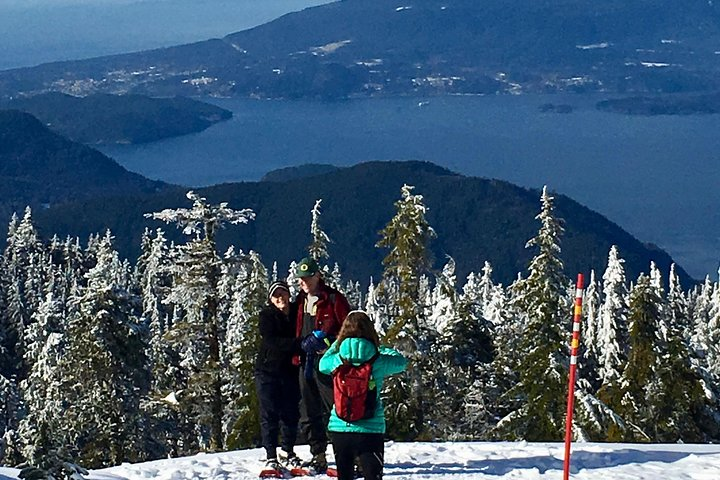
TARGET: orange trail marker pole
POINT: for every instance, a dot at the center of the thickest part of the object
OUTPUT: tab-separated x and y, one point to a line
573	367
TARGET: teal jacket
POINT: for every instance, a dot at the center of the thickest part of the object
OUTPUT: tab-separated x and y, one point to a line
357	351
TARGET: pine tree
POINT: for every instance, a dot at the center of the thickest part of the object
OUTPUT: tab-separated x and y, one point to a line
462	370
241	412
612	327
407	236
638	378
542	371
197	273
103	370
318	247
590	349
40	432
10	412
22	284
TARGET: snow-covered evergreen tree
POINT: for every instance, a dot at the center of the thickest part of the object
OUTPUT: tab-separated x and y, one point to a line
318	247
40	432
353	293
462	370
407	236
611	340
589	348
23	287
241	410
103	369
197	337
542	301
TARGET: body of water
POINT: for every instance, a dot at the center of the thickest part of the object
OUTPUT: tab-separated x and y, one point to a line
657	177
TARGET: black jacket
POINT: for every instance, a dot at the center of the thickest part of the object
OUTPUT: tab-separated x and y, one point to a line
278	343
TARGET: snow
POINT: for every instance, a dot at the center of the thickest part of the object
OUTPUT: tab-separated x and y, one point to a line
471	461
654	64
593	46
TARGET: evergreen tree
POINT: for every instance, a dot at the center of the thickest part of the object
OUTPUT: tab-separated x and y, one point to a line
197	273
464	352
241	412
407	236
590	349
40	432
22	282
103	369
544	307
612	329
318	247
377	308
10	410
640	373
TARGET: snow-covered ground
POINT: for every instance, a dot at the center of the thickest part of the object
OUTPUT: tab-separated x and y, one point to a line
444	461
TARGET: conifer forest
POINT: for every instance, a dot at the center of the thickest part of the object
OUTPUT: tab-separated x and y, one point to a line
105	360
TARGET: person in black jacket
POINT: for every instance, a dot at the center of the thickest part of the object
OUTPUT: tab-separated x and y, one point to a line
276	378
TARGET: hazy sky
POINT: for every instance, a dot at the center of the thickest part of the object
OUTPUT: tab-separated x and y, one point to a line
38	31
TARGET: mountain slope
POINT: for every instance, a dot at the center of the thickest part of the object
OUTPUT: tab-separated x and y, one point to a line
476	220
41	168
356	47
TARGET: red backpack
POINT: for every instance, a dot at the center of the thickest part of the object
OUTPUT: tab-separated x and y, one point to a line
355	391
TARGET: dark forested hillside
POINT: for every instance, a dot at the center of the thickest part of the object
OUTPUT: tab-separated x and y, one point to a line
476	219
103	118
41	168
376	47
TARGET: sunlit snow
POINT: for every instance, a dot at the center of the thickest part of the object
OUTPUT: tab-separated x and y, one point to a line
472	461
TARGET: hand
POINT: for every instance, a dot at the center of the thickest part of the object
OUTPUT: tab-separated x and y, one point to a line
314	344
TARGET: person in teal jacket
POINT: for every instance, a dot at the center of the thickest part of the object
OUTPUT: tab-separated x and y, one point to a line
357	343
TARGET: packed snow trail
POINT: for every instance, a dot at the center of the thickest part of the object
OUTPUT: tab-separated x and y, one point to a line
461	460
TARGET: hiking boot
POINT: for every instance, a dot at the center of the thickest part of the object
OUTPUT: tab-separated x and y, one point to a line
273	464
318	463
290	460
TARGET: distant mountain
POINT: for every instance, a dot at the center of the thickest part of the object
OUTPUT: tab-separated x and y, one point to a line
377	47
103	118
41	168
476	219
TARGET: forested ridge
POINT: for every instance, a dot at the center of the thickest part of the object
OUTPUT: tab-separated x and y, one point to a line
477	219
104	361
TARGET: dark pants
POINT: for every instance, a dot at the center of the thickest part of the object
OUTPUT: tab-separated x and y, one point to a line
369	448
317	401
278	396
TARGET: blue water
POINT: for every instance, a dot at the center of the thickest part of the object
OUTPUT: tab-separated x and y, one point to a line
657	177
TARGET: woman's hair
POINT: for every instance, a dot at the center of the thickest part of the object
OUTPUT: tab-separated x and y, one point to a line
358	325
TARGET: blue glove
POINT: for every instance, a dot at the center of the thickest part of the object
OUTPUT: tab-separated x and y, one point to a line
315	342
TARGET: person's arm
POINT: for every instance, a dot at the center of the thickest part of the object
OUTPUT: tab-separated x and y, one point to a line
390	361
330	360
269	332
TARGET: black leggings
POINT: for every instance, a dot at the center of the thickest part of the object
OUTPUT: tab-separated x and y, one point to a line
369	448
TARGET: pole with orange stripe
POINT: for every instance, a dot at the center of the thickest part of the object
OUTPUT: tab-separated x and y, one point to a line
573	367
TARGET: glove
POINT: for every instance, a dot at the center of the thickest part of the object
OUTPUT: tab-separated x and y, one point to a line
315	342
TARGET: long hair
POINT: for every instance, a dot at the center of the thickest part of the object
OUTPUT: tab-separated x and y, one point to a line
358	325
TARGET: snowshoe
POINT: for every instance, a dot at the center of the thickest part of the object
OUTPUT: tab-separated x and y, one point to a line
274	469
300	472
